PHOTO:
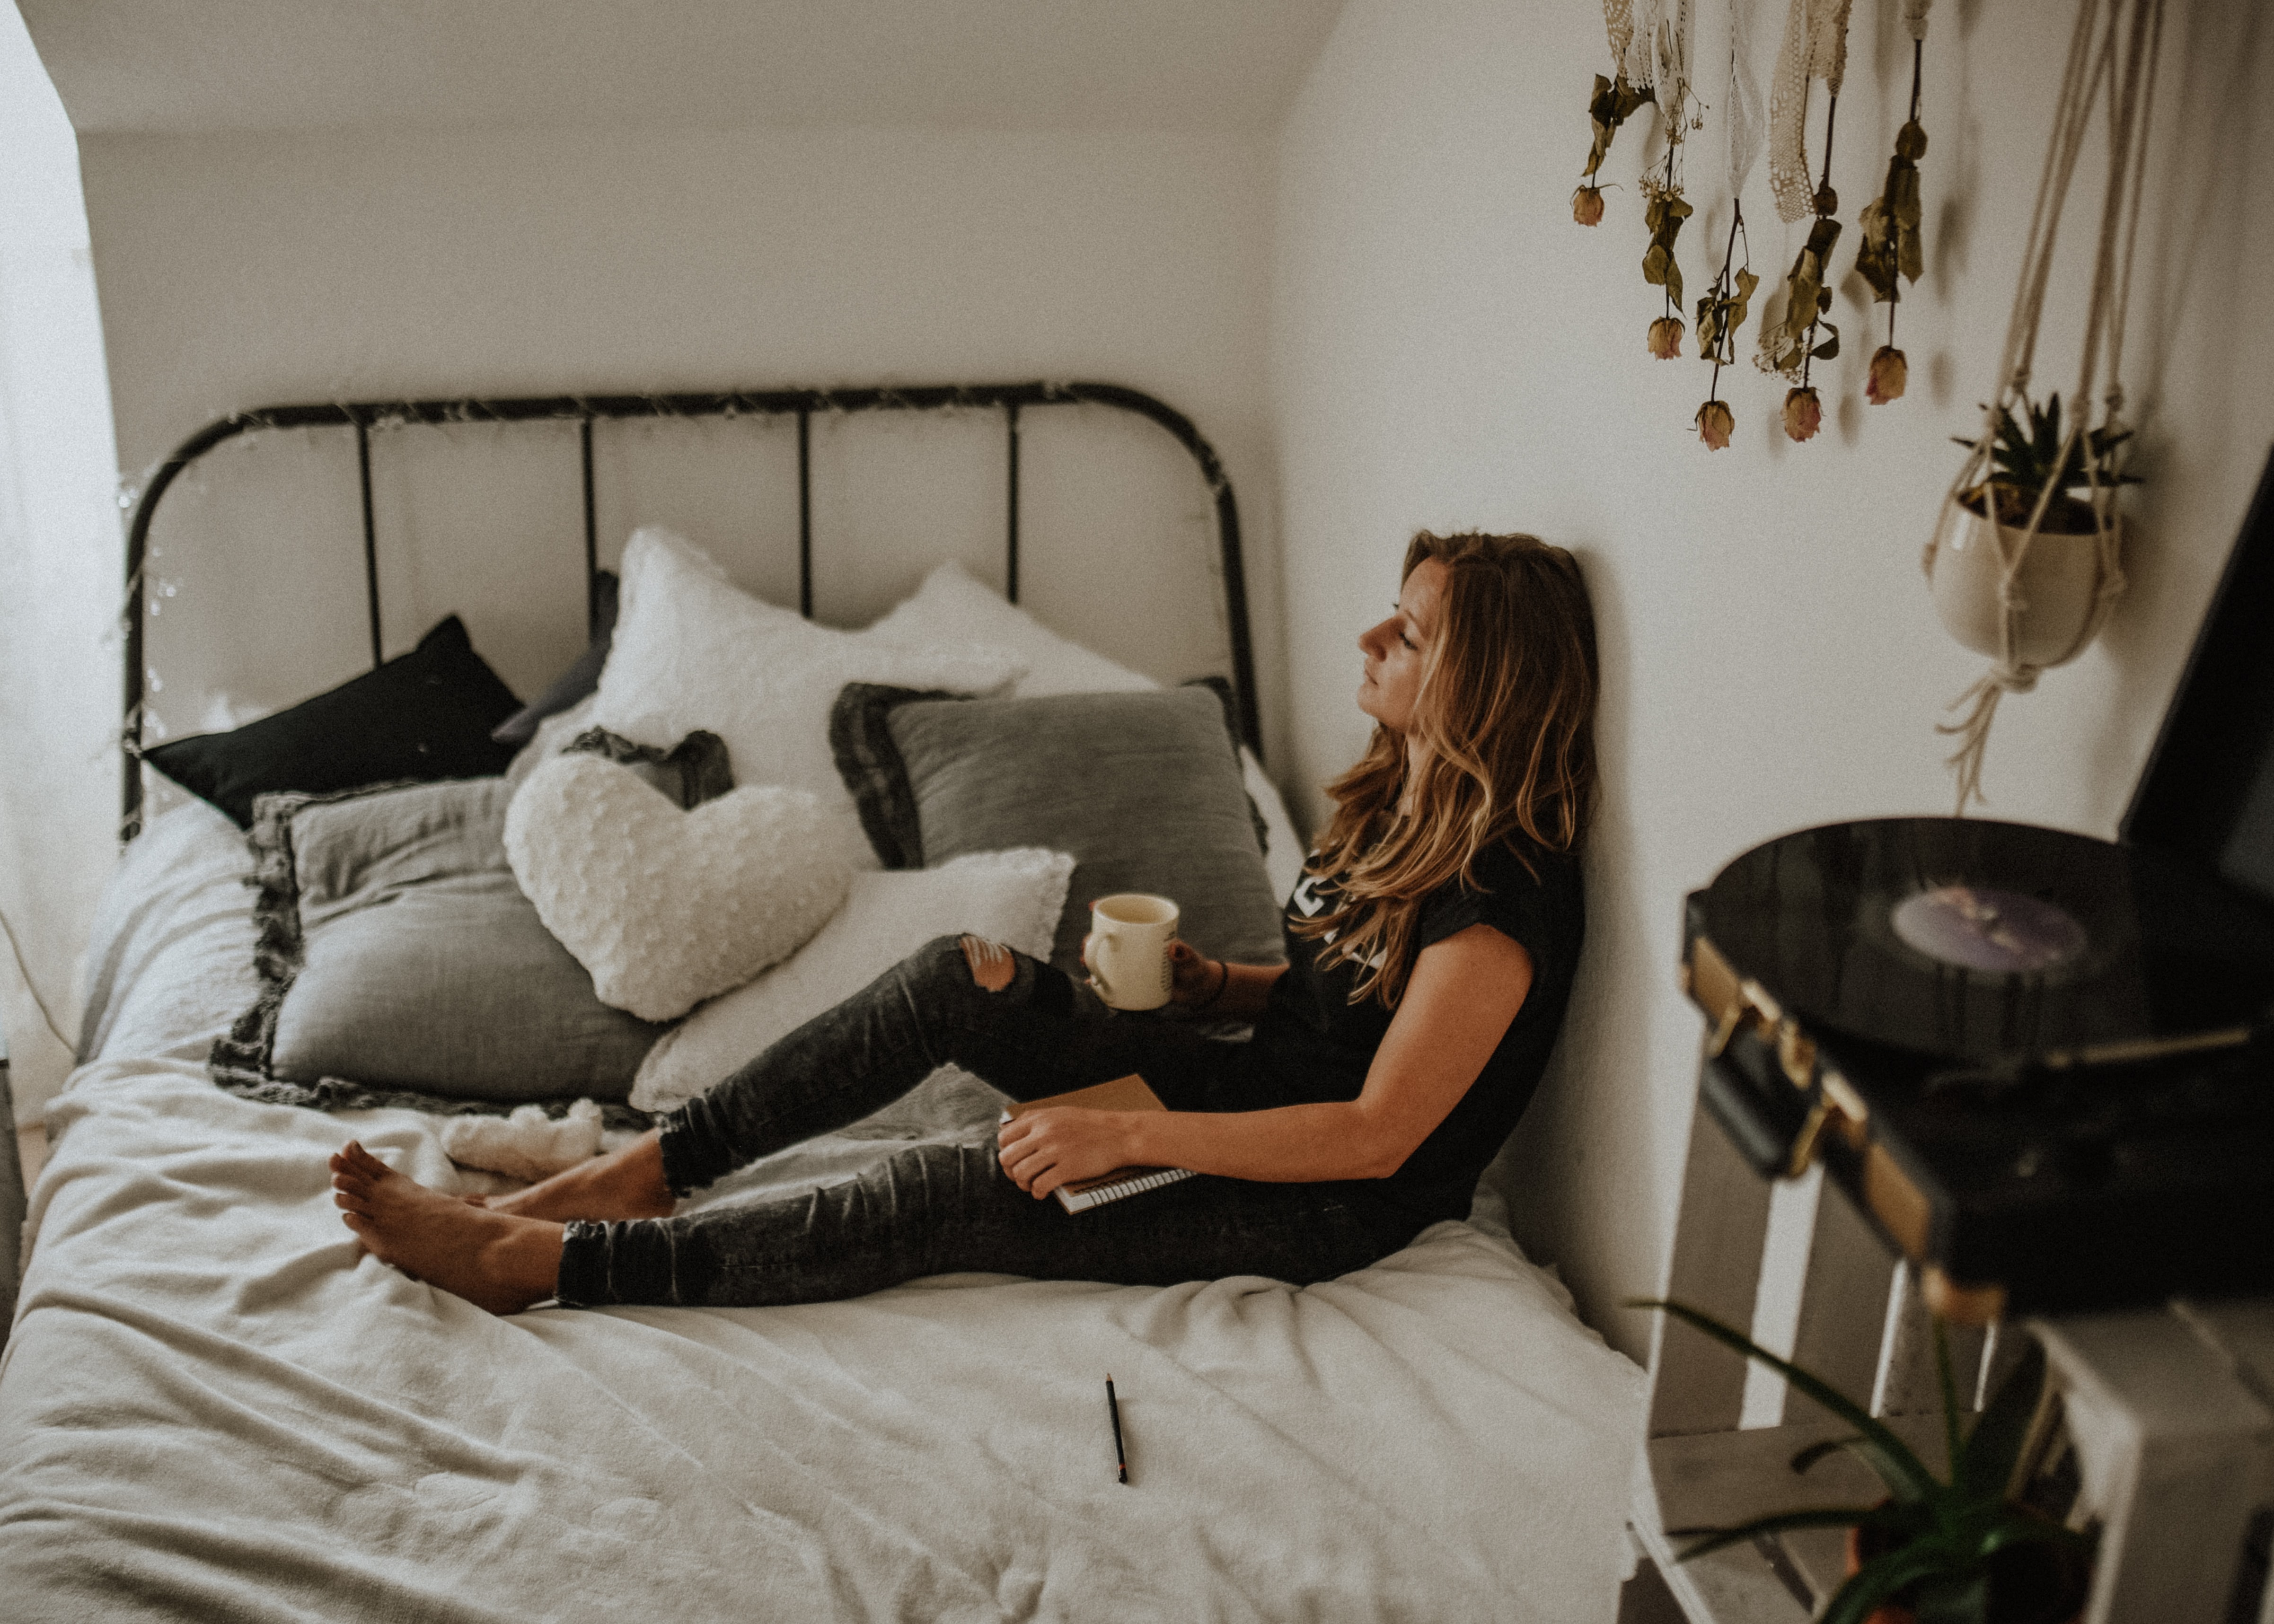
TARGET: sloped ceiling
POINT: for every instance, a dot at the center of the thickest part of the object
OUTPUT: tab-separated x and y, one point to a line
167	66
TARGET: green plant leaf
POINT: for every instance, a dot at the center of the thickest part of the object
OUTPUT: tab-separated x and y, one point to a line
1708	1540
1830	347
1818	1451
1906	1475
1948	1388
1983	1470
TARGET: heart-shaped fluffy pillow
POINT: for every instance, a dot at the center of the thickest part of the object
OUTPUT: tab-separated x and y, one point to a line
666	908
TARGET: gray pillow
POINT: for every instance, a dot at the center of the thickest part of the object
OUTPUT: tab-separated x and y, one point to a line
1142	789
397	952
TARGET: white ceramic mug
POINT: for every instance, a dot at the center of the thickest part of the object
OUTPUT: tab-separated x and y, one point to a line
1127	949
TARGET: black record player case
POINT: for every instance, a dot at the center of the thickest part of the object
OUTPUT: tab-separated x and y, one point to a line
2072	1107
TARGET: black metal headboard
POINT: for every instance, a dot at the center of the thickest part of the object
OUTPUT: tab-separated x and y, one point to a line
585	409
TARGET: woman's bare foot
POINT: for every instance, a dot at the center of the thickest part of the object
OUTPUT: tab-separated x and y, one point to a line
493	1260
623	1184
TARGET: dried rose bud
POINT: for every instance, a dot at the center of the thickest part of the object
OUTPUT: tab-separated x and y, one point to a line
1715	424
1587	206
1888	376
1666	337
1804	414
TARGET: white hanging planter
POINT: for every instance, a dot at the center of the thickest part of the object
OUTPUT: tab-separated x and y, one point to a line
2028	582
2056	600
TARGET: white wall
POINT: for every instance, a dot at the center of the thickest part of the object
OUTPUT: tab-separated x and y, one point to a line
59	572
1448	349
247	269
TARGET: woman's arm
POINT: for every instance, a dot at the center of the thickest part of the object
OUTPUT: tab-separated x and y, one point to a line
1217	987
1463	992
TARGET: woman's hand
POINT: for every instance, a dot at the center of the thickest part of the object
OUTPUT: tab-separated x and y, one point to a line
1194	977
1045	1149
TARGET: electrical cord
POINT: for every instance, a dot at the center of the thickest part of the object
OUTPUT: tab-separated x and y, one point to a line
23	970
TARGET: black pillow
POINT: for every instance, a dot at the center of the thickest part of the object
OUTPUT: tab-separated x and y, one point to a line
423	716
580	680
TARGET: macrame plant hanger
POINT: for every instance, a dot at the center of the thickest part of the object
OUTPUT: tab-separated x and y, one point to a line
2113	51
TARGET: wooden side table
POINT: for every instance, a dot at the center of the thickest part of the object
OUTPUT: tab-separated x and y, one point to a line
2170	1413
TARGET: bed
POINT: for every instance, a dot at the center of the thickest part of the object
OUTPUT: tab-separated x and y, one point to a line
213	1406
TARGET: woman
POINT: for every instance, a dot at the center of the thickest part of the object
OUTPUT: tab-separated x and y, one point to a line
1431	941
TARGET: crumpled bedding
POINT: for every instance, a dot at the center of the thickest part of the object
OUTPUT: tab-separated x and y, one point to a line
213	1406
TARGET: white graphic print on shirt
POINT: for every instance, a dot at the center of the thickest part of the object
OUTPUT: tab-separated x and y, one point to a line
1306	899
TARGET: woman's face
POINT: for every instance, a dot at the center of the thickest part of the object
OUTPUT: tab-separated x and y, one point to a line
1397	649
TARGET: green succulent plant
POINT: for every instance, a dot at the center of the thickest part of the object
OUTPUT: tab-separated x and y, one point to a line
2024	457
1940	1538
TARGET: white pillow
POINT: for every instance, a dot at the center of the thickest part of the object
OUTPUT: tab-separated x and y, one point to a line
666	906
1011	897
952	605
693	650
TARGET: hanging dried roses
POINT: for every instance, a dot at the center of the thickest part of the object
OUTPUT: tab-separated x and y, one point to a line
1612	104
1890	221
1664	214
1787	347
1803	413
1891	245
1890	374
1790	348
1720	312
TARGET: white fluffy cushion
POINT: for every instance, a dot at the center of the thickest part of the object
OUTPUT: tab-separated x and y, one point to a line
668	907
1009	897
528	1145
953	606
693	650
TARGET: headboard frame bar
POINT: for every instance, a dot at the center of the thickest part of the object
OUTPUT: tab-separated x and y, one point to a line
1011	537
584	410
370	540
591	531
805	512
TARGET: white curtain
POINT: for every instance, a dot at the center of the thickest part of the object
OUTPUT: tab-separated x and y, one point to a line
60	574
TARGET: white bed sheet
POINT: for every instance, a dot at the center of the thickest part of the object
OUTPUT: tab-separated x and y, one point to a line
213	1406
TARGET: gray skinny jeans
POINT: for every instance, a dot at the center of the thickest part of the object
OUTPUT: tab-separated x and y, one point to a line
936	1209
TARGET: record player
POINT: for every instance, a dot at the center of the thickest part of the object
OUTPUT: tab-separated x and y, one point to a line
2043	1064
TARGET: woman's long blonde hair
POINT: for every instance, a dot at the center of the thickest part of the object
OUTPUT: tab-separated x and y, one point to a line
1506	715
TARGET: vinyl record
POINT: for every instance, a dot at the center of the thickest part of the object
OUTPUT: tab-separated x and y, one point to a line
1983	940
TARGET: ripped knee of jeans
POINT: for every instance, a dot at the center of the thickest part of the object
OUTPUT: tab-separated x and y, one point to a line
992	967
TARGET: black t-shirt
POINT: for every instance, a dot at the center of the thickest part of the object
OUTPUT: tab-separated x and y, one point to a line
1313	1044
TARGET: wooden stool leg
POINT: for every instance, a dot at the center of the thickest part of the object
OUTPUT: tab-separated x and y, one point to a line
2174	1453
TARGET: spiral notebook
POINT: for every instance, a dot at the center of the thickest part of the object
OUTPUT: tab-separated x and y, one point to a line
1123	1094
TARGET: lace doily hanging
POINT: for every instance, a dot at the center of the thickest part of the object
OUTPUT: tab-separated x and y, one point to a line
1650	46
1815	47
1743	113
1618	23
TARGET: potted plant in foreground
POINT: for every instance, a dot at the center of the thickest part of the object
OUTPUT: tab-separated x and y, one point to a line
1959	1549
2067	482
